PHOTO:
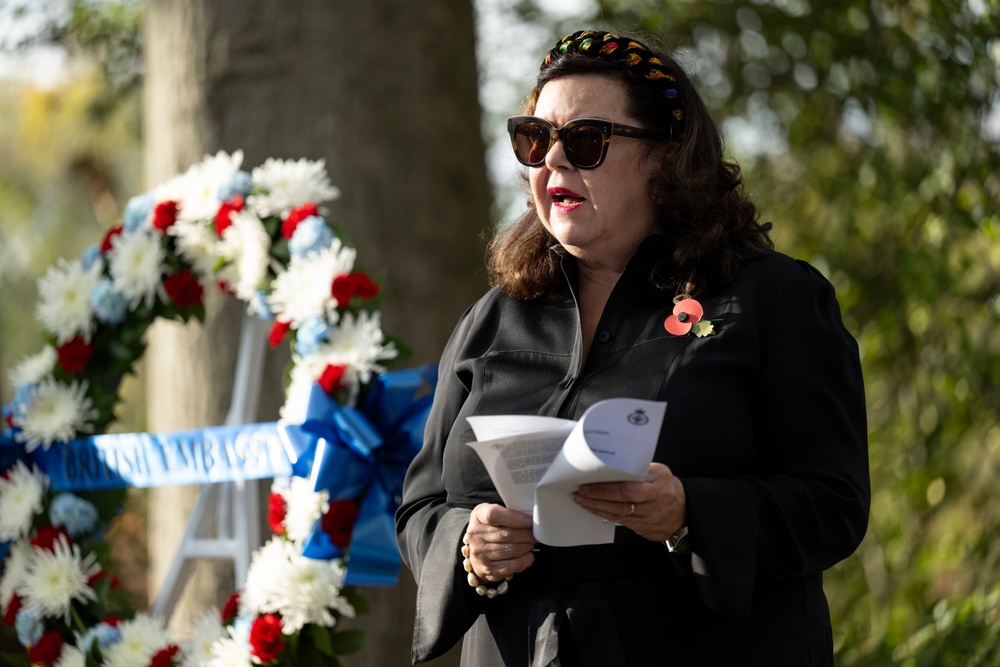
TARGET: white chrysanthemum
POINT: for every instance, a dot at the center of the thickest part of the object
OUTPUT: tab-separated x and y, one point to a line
287	184
197	244
32	369
356	343
64	300
71	656
296	406
231	651
246	246
303	508
303	291
197	647
135	262
21	497
56	578
200	198
302	590
15	568
55	413
142	638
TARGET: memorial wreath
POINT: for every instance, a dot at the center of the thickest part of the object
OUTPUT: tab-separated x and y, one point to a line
347	433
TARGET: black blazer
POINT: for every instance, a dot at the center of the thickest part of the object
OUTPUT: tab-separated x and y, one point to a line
765	425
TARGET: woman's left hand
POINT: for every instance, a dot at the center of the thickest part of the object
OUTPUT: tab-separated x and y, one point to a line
655	509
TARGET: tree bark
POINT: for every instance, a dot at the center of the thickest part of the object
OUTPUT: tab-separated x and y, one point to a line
385	92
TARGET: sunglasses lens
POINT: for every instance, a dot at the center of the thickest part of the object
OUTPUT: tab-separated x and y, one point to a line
531	142
584	145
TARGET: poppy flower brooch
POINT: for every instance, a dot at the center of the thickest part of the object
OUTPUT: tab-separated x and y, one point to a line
687	318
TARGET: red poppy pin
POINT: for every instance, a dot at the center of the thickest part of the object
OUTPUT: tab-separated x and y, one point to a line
687	318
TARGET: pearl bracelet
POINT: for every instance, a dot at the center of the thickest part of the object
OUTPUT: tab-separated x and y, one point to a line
481	588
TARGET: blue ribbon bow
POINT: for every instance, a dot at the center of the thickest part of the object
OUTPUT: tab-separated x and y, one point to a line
362	455
10	453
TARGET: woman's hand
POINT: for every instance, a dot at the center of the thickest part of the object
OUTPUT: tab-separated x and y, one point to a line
500	541
654	509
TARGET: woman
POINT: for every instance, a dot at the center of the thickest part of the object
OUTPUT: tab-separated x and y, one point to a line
642	271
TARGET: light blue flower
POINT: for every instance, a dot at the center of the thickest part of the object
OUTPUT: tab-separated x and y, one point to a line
259	307
22	397
310	235
137	212
73	513
105	635
310	335
240	183
90	257
241	629
110	306
29	627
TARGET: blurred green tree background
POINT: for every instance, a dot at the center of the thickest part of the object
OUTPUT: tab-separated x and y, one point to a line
869	133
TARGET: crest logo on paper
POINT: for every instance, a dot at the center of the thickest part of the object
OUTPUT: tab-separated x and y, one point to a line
638	418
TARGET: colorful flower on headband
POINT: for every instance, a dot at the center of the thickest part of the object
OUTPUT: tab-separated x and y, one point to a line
687	318
634	57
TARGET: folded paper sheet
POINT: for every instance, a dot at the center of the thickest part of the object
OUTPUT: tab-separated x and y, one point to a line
537	463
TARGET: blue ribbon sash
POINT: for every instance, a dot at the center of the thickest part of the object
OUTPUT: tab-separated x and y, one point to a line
358	456
143	460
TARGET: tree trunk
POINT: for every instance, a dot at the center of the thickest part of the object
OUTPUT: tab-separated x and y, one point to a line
385	92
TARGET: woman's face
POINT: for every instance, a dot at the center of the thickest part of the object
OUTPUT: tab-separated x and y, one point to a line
599	215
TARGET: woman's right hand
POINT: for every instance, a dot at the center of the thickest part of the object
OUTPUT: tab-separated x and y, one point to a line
500	541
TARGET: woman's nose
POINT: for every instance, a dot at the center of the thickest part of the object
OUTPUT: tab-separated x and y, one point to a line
556	157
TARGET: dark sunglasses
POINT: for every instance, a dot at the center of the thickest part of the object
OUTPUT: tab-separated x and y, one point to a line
585	140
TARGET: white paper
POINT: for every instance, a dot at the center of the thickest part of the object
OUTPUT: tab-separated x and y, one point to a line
537	463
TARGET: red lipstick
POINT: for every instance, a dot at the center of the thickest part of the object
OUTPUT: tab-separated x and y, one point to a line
565	200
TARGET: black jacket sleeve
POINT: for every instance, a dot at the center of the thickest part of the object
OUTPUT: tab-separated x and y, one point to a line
808	507
429	531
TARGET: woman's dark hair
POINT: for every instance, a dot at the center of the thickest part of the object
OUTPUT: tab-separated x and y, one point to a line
709	222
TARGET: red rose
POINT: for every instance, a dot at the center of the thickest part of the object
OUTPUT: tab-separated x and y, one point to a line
164	657
184	288
47	650
331	378
231	607
15	606
113	621
295	216
276	509
46	538
278	331
338	522
164	215
265	638
74	355
224	217
106	243
355	284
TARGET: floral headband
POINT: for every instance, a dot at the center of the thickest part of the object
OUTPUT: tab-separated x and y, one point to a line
624	53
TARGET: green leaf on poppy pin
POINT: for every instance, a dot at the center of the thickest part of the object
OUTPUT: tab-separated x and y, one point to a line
703	328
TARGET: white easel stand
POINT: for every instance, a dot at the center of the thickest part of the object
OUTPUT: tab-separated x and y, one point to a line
232	509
